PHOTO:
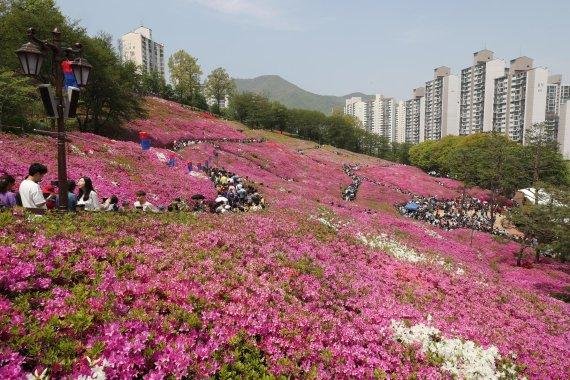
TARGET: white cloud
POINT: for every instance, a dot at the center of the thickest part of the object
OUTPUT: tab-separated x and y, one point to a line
262	13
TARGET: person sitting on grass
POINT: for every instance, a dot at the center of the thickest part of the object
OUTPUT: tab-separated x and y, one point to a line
142	204
30	191
51	196
178	205
7	195
111	204
87	198
71	198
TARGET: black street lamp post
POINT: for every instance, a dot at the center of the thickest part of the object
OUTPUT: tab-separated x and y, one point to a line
31	56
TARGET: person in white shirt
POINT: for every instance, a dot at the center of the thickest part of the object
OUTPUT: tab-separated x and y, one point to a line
87	197
142	204
30	191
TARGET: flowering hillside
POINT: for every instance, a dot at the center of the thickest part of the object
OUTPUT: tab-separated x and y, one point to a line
170	121
311	287
116	167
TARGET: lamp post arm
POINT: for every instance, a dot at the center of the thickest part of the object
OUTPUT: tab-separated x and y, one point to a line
44	44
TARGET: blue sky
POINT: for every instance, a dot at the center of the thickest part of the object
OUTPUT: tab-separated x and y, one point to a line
337	47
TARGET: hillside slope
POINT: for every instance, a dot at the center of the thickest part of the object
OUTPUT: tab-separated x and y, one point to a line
313	286
278	89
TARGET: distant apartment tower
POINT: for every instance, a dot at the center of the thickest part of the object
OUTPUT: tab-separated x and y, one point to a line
520	98
442	104
400	122
478	91
359	109
224	103
382	112
556	95
415	117
563	137
137	46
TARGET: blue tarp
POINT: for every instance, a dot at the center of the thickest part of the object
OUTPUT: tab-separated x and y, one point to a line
412	206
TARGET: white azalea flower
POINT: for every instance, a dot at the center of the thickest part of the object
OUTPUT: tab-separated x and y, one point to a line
463	359
402	252
97	369
38	376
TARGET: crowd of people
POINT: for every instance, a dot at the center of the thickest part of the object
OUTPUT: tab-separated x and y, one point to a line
463	212
349	193
234	194
181	144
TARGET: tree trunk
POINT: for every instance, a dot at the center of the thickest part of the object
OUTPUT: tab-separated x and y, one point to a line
520	256
535	174
1	109
537	255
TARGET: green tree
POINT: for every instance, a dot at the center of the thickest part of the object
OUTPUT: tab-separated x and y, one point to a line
548	223
16	98
250	109
434	155
545	162
278	116
421	155
307	124
153	83
42	15
499	166
111	95
342	133
219	85
401	152
199	101
185	73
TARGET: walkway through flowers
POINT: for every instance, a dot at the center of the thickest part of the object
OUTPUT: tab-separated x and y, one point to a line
184	143
349	194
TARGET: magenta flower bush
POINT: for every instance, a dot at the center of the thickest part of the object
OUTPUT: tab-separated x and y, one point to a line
116	167
311	287
169	121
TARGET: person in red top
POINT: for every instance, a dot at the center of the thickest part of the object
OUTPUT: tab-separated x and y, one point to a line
50	196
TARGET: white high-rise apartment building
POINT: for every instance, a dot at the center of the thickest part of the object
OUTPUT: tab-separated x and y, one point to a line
383	116
137	46
415	116
520	98
556	95
564	129
359	109
442	104
400	127
478	91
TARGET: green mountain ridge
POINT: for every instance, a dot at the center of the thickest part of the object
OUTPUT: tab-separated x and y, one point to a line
278	89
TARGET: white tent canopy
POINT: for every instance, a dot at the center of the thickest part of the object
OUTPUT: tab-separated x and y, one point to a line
544	198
